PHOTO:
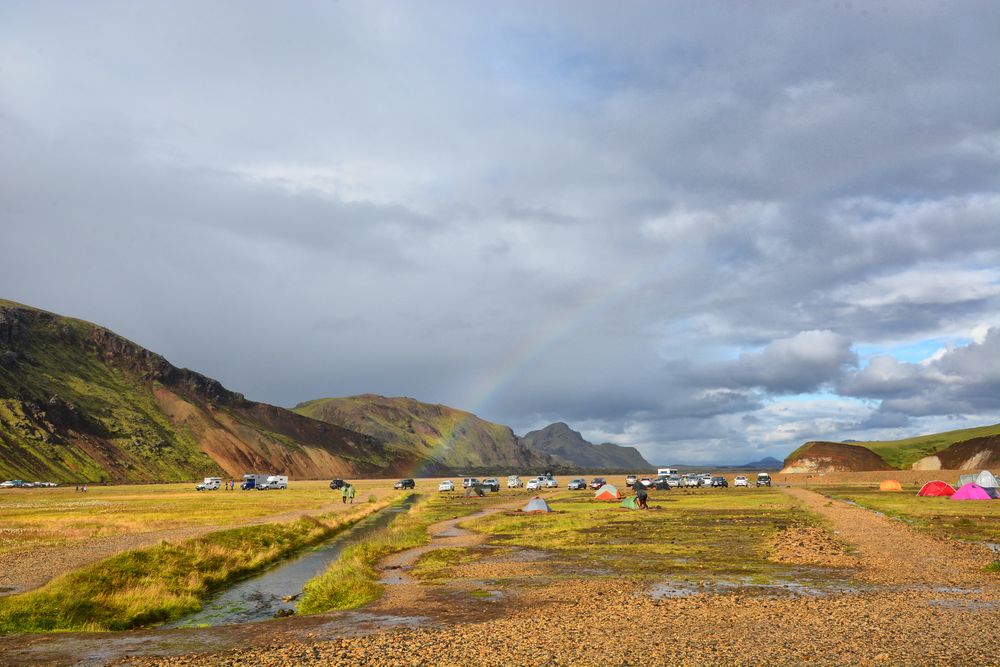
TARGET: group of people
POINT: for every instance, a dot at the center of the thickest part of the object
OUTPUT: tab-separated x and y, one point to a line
230	485
82	489
347	493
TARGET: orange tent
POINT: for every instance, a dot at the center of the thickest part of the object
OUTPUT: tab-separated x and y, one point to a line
890	485
607	492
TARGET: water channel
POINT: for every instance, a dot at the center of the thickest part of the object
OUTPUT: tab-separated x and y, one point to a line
276	591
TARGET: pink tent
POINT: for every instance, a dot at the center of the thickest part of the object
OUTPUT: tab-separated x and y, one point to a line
971	492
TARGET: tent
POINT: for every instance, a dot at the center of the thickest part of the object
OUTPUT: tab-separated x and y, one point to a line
936	488
607	492
971	492
986	480
890	485
474	490
993	493
537	504
966	479
630	503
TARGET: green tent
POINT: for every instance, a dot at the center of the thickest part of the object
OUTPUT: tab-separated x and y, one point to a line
630	503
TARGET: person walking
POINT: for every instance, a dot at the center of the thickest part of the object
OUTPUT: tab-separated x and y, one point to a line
350	493
344	491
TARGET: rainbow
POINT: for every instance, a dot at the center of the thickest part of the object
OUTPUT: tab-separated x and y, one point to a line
508	368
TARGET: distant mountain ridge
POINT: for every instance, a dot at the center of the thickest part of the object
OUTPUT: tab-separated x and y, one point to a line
445	436
568	447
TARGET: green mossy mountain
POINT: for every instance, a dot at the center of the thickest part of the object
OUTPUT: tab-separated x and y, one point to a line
446	436
968	448
568	447
81	403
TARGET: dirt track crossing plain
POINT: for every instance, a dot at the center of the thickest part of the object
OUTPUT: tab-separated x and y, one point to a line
786	576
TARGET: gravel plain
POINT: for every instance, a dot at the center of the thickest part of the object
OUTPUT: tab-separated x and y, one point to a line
926	601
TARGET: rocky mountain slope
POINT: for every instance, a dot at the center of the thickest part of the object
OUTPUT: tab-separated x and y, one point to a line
964	449
80	403
445	436
568	447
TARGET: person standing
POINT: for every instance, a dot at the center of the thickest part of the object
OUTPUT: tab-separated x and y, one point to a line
350	493
344	491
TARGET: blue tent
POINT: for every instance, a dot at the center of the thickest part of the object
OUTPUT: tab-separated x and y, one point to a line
537	505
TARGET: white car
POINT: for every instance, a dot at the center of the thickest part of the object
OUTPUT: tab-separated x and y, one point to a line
691	481
514	482
533	485
551	483
741	480
446	485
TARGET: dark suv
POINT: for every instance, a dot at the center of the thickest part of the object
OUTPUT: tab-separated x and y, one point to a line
763	479
337	484
404	484
720	481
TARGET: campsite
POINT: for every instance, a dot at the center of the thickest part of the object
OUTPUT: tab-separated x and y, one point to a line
490	576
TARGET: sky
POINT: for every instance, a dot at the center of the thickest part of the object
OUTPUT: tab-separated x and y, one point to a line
710	230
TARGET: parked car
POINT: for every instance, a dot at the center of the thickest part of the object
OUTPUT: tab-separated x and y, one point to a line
491	483
741	480
514	482
673	481
763	479
405	484
337	484
550	483
7	485
646	482
720	481
469	481
578	484
533	485
630	480
692	482
661	483
446	485
597	483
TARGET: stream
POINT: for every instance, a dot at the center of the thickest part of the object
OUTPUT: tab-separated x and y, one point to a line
276	590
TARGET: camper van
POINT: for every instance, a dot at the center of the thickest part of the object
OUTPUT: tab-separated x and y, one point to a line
666	472
275	482
210	484
252	481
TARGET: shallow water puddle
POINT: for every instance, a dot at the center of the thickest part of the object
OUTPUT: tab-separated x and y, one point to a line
783	587
275	592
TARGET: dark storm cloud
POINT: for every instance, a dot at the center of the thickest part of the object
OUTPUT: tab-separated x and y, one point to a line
670	226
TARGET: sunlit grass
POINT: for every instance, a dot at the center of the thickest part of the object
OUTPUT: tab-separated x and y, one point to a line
167	581
962	519
33	517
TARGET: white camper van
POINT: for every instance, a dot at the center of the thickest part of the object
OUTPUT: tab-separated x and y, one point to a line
275	482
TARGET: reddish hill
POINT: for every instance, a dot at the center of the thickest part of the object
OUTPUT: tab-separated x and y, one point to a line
816	457
81	403
974	454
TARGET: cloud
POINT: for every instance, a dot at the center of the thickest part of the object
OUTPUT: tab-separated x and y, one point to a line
659	223
962	380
